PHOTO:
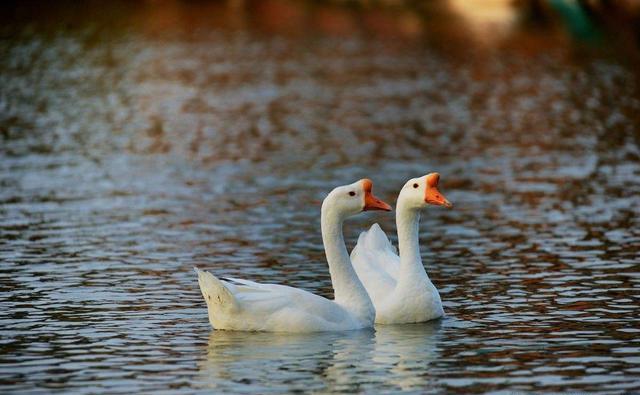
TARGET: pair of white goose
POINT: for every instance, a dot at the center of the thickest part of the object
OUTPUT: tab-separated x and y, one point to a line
373	285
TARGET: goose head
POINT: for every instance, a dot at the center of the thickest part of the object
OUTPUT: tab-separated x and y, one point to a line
420	192
348	200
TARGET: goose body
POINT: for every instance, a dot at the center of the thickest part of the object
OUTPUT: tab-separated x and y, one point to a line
250	306
398	284
237	304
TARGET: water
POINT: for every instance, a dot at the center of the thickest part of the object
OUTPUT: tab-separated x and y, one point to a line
138	141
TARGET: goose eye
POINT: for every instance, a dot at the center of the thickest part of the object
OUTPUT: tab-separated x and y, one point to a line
352	193
415	185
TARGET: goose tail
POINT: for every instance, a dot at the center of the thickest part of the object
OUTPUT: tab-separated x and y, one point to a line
215	293
375	240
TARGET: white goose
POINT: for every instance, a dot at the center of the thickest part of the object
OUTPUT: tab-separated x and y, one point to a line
399	286
246	305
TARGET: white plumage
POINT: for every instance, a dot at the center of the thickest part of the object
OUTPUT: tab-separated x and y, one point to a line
398	285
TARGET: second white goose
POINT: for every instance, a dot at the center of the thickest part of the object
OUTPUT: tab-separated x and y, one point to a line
399	286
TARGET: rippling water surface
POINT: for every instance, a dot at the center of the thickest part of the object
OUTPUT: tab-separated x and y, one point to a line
139	141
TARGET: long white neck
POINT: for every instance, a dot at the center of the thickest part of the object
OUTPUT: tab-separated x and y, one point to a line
411	268
348	290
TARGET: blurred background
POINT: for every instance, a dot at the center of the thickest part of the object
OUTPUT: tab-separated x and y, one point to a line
140	138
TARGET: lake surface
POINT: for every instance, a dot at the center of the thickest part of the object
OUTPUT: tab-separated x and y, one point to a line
137	141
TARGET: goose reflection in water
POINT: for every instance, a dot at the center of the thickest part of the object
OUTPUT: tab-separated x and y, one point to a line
389	357
406	352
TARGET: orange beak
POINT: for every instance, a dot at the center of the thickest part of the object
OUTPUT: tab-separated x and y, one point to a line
432	195
370	201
